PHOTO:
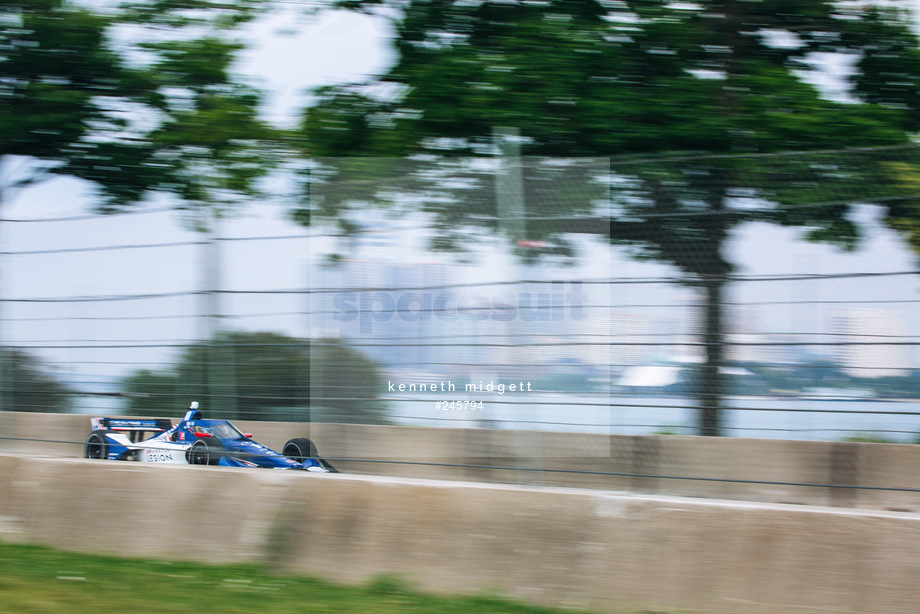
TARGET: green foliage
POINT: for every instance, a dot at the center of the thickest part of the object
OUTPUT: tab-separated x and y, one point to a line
177	14
344	385
696	105
261	376
63	91
175	122
211	149
888	67
31	385
265	372
668	430
903	215
593	79
866	438
636	78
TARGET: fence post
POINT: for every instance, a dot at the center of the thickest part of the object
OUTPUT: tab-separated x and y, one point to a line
511	206
219	380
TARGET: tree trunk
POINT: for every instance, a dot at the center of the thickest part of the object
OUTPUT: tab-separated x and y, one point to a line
712	271
710	385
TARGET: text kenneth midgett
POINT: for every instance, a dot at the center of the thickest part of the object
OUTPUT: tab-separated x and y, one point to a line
449	386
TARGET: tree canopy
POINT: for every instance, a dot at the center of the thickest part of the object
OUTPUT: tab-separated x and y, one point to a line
32	385
262	376
63	96
585	78
696	105
636	79
173	118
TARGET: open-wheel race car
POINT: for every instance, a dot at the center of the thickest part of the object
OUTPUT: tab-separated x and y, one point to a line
195	441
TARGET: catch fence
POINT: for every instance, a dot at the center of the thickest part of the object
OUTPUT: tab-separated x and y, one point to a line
512	294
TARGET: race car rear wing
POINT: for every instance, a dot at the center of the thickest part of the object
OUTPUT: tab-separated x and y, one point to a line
131	424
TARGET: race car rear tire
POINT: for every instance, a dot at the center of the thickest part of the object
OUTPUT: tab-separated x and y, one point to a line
205	451
301	449
97	446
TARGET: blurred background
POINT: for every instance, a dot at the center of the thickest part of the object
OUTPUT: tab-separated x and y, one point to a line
664	250
687	218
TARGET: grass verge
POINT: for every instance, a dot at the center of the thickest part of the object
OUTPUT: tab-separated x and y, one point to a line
35	579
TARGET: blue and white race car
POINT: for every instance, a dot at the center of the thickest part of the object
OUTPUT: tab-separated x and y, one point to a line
195	441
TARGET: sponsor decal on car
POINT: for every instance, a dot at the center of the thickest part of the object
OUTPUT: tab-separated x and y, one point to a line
159	456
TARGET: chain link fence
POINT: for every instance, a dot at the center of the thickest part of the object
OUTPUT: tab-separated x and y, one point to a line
505	293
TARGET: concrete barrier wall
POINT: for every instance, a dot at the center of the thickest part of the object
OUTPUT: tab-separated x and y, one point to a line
570	547
725	468
52	434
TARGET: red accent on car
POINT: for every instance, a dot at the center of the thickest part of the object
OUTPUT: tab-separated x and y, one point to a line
202	434
247	435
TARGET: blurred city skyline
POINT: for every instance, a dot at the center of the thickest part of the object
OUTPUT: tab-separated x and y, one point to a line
126	268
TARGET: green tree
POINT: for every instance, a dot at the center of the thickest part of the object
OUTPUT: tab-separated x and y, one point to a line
215	150
209	148
267	372
345	385
63	96
695	103
269	376
63	93
903	215
33	386
212	146
173	119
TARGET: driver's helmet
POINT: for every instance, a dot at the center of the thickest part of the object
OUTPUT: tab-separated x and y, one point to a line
200	429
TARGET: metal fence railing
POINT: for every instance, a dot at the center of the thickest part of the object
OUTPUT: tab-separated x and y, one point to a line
534	313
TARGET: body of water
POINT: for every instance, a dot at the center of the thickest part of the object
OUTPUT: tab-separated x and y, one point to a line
755	417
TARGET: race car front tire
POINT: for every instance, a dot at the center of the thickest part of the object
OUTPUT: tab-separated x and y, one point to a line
205	451
97	446
301	449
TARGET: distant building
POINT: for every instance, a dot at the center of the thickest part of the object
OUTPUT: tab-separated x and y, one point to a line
388	310
868	343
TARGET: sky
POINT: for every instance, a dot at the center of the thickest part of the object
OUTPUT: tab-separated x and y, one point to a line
294	52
